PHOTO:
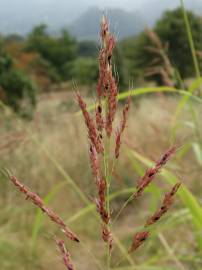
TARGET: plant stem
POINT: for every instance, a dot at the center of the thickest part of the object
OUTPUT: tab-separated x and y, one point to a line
107	177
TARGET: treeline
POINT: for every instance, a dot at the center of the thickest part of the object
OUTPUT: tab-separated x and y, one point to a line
161	54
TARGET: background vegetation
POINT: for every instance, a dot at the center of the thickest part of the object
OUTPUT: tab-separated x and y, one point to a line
46	59
43	141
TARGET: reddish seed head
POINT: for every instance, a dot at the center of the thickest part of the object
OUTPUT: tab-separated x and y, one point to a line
167	203
107	236
110	47
106	84
92	132
104	28
112	104
100	202
65	254
151	173
122	127
118	143
39	203
138	240
95	166
99	119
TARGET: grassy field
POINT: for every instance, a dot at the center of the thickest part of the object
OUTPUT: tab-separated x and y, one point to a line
51	151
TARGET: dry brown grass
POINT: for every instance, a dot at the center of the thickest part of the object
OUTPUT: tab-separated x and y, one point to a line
61	132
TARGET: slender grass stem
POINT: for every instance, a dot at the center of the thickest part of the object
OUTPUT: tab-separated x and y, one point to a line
191	41
170	252
122	208
107	178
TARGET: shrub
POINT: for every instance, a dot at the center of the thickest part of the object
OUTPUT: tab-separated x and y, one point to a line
85	70
20	92
172	33
58	51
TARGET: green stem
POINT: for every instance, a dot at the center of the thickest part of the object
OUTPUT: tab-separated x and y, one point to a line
123	207
107	178
191	41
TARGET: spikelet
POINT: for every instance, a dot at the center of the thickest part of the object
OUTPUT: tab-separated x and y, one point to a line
151	173
121	129
99	120
92	132
167	203
107	236
138	239
65	254
95	166
101	201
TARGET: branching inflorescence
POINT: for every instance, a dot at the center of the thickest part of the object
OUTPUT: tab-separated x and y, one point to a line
107	92
101	131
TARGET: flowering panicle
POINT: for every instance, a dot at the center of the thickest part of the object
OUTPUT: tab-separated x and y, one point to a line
39	203
92	132
140	237
106	84
65	254
122	127
167	203
102	85
151	173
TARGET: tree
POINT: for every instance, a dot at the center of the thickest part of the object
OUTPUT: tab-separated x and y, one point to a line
87	48
85	70
171	28
171	31
58	51
17	90
20	92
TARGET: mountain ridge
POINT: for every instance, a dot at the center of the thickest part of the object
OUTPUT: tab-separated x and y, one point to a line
123	23
20	16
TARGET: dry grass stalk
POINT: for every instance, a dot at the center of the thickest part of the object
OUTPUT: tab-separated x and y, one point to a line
11	140
163	65
40	204
65	254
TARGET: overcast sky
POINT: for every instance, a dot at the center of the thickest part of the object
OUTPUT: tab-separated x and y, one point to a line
21	15
126	4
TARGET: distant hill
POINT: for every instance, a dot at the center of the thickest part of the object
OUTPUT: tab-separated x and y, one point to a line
20	16
122	23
